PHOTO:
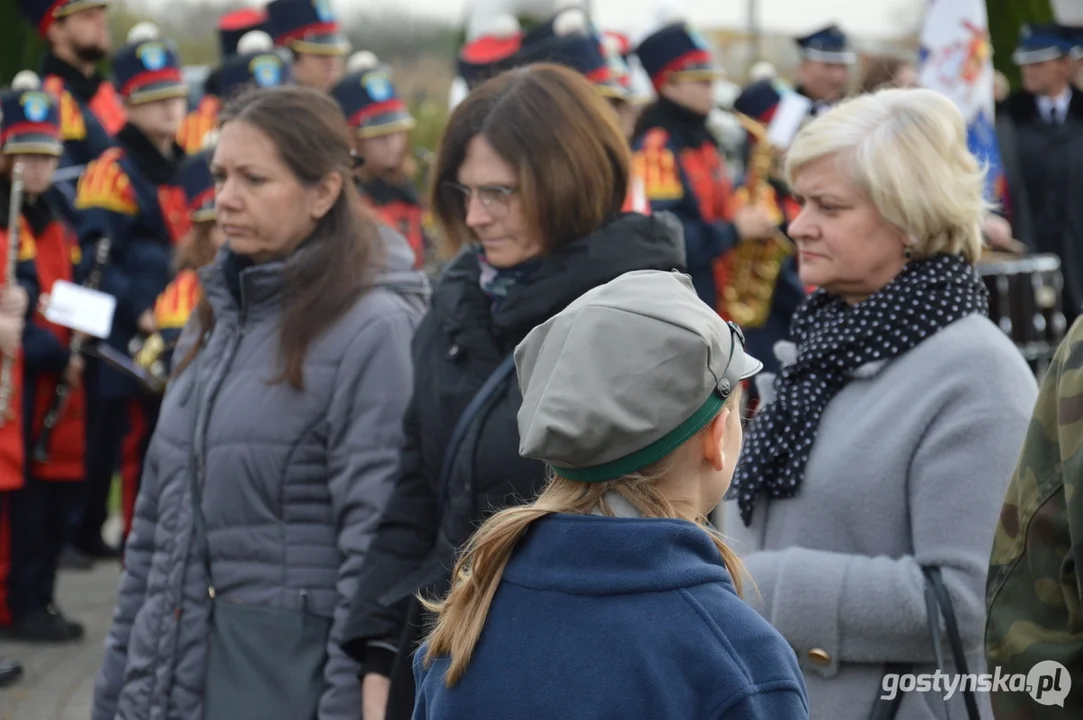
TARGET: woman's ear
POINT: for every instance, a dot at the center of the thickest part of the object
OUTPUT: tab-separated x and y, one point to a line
712	440
326	193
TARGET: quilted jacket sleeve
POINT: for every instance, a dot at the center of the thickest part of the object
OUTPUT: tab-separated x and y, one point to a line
371	392
133	586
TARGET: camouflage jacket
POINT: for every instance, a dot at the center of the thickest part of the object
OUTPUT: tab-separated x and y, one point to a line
1034	595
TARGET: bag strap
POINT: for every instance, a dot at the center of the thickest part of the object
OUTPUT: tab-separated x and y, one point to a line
466	418
955	638
937	603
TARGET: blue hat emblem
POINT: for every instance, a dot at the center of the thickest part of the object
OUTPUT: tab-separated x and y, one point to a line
696	38
266	70
377	86
35	106
323	11
152	55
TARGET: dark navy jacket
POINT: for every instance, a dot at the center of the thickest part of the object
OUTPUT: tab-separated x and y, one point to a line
90	115
131	195
617	618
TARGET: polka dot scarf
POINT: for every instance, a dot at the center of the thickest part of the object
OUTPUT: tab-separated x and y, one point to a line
833	340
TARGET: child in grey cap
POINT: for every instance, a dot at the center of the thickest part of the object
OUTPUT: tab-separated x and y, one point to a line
609	596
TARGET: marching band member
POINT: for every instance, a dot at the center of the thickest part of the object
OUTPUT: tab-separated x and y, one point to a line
568	39
196	249
90	110
131	195
15	300
490	53
824	74
679	159
232	27
617	48
309	30
762	185
256	65
379	123
30	135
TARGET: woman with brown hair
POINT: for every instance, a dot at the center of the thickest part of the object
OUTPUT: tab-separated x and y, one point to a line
277	443
529	182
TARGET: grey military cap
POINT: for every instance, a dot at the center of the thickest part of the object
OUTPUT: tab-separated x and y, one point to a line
624	375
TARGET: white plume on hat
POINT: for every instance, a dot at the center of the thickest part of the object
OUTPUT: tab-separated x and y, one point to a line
361	61
762	70
26	80
143	31
572	21
502	26
254	41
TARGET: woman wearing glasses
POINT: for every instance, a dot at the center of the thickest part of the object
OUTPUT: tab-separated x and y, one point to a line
896	421
529	183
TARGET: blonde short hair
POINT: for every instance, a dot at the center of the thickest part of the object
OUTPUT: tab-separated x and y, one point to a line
906	150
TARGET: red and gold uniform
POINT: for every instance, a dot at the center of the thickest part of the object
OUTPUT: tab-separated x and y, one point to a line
39	510
678	158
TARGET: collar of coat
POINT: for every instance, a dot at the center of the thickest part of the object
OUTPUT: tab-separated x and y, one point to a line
1022	106
627	242
155	167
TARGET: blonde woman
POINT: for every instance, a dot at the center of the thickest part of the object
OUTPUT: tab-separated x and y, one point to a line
893	428
608	597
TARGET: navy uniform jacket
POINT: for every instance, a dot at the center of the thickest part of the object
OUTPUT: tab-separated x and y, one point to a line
132	195
90	116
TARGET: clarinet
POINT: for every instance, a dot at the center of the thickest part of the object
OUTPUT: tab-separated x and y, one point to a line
7	365
78	342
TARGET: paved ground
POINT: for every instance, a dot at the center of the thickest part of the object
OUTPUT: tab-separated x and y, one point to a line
58	680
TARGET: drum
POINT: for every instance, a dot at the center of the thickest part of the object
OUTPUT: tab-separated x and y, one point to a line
1025	302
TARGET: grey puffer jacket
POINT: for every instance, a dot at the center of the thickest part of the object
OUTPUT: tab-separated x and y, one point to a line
294	484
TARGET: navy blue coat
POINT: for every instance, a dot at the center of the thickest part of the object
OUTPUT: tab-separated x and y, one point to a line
615	618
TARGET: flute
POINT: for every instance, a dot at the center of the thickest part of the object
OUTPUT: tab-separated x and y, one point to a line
78	342
7	365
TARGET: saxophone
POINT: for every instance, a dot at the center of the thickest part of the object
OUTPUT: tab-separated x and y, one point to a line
751	269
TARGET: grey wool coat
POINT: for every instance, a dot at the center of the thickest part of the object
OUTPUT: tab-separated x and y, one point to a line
909	468
295	481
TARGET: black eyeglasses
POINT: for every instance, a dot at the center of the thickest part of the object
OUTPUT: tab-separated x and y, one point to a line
494	198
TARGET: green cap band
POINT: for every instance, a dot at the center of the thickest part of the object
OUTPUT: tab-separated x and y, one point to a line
653	452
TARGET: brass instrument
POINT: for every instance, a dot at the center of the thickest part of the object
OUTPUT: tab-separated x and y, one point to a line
753	266
149	353
7	365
